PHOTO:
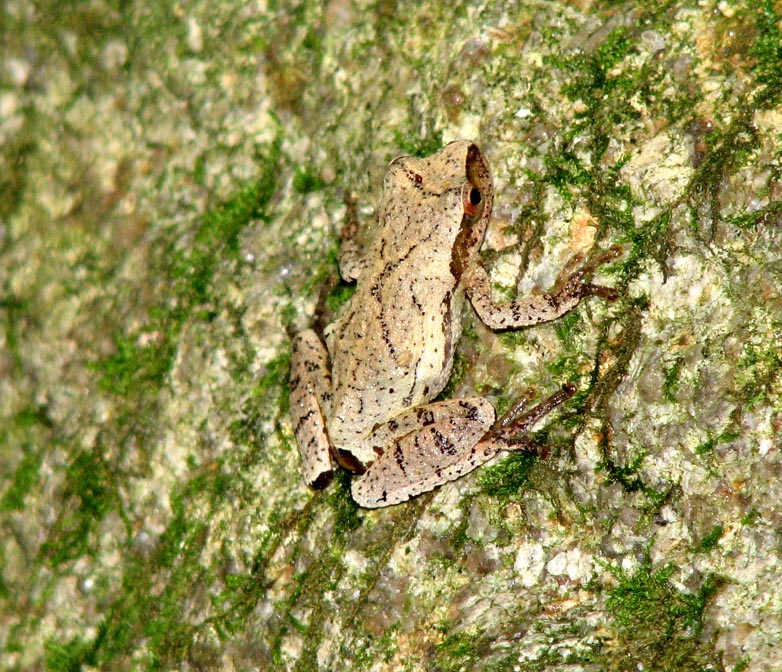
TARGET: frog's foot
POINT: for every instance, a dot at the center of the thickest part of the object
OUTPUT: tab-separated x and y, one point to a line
573	282
509	432
516	410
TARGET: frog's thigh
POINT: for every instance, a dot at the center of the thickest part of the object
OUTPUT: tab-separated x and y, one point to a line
309	389
426	446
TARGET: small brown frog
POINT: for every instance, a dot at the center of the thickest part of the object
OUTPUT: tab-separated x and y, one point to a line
361	396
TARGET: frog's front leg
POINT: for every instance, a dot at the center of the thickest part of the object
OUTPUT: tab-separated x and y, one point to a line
571	286
310	394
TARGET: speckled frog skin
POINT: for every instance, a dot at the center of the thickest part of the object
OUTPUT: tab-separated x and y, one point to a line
361	393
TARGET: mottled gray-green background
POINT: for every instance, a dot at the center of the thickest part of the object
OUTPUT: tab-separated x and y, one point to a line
173	180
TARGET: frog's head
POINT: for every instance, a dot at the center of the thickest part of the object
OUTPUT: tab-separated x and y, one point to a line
441	203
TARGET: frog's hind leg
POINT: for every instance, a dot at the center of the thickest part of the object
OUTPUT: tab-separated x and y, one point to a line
309	395
452	445
422	448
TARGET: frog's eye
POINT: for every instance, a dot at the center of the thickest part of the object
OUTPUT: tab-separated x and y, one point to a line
472	201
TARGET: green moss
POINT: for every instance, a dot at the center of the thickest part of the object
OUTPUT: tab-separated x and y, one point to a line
457	651
134	365
760	217
710	540
411	143
659	625
509	478
728	150
307	180
13	178
89	495
72	656
33	416
759	367
5	592
267	398
457	536
171	636
751	518
626	475
25	431
706	449
467	651
170	572
767	52
339	296
25	478
13	311
274	379
346	511
567	329
565	170
671	379
461	367
218	235
136	372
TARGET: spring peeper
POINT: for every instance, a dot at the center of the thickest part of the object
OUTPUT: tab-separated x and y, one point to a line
361	393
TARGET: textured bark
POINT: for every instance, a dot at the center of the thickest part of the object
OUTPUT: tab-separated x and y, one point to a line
174	180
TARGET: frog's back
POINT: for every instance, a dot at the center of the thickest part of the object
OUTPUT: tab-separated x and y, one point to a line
393	348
